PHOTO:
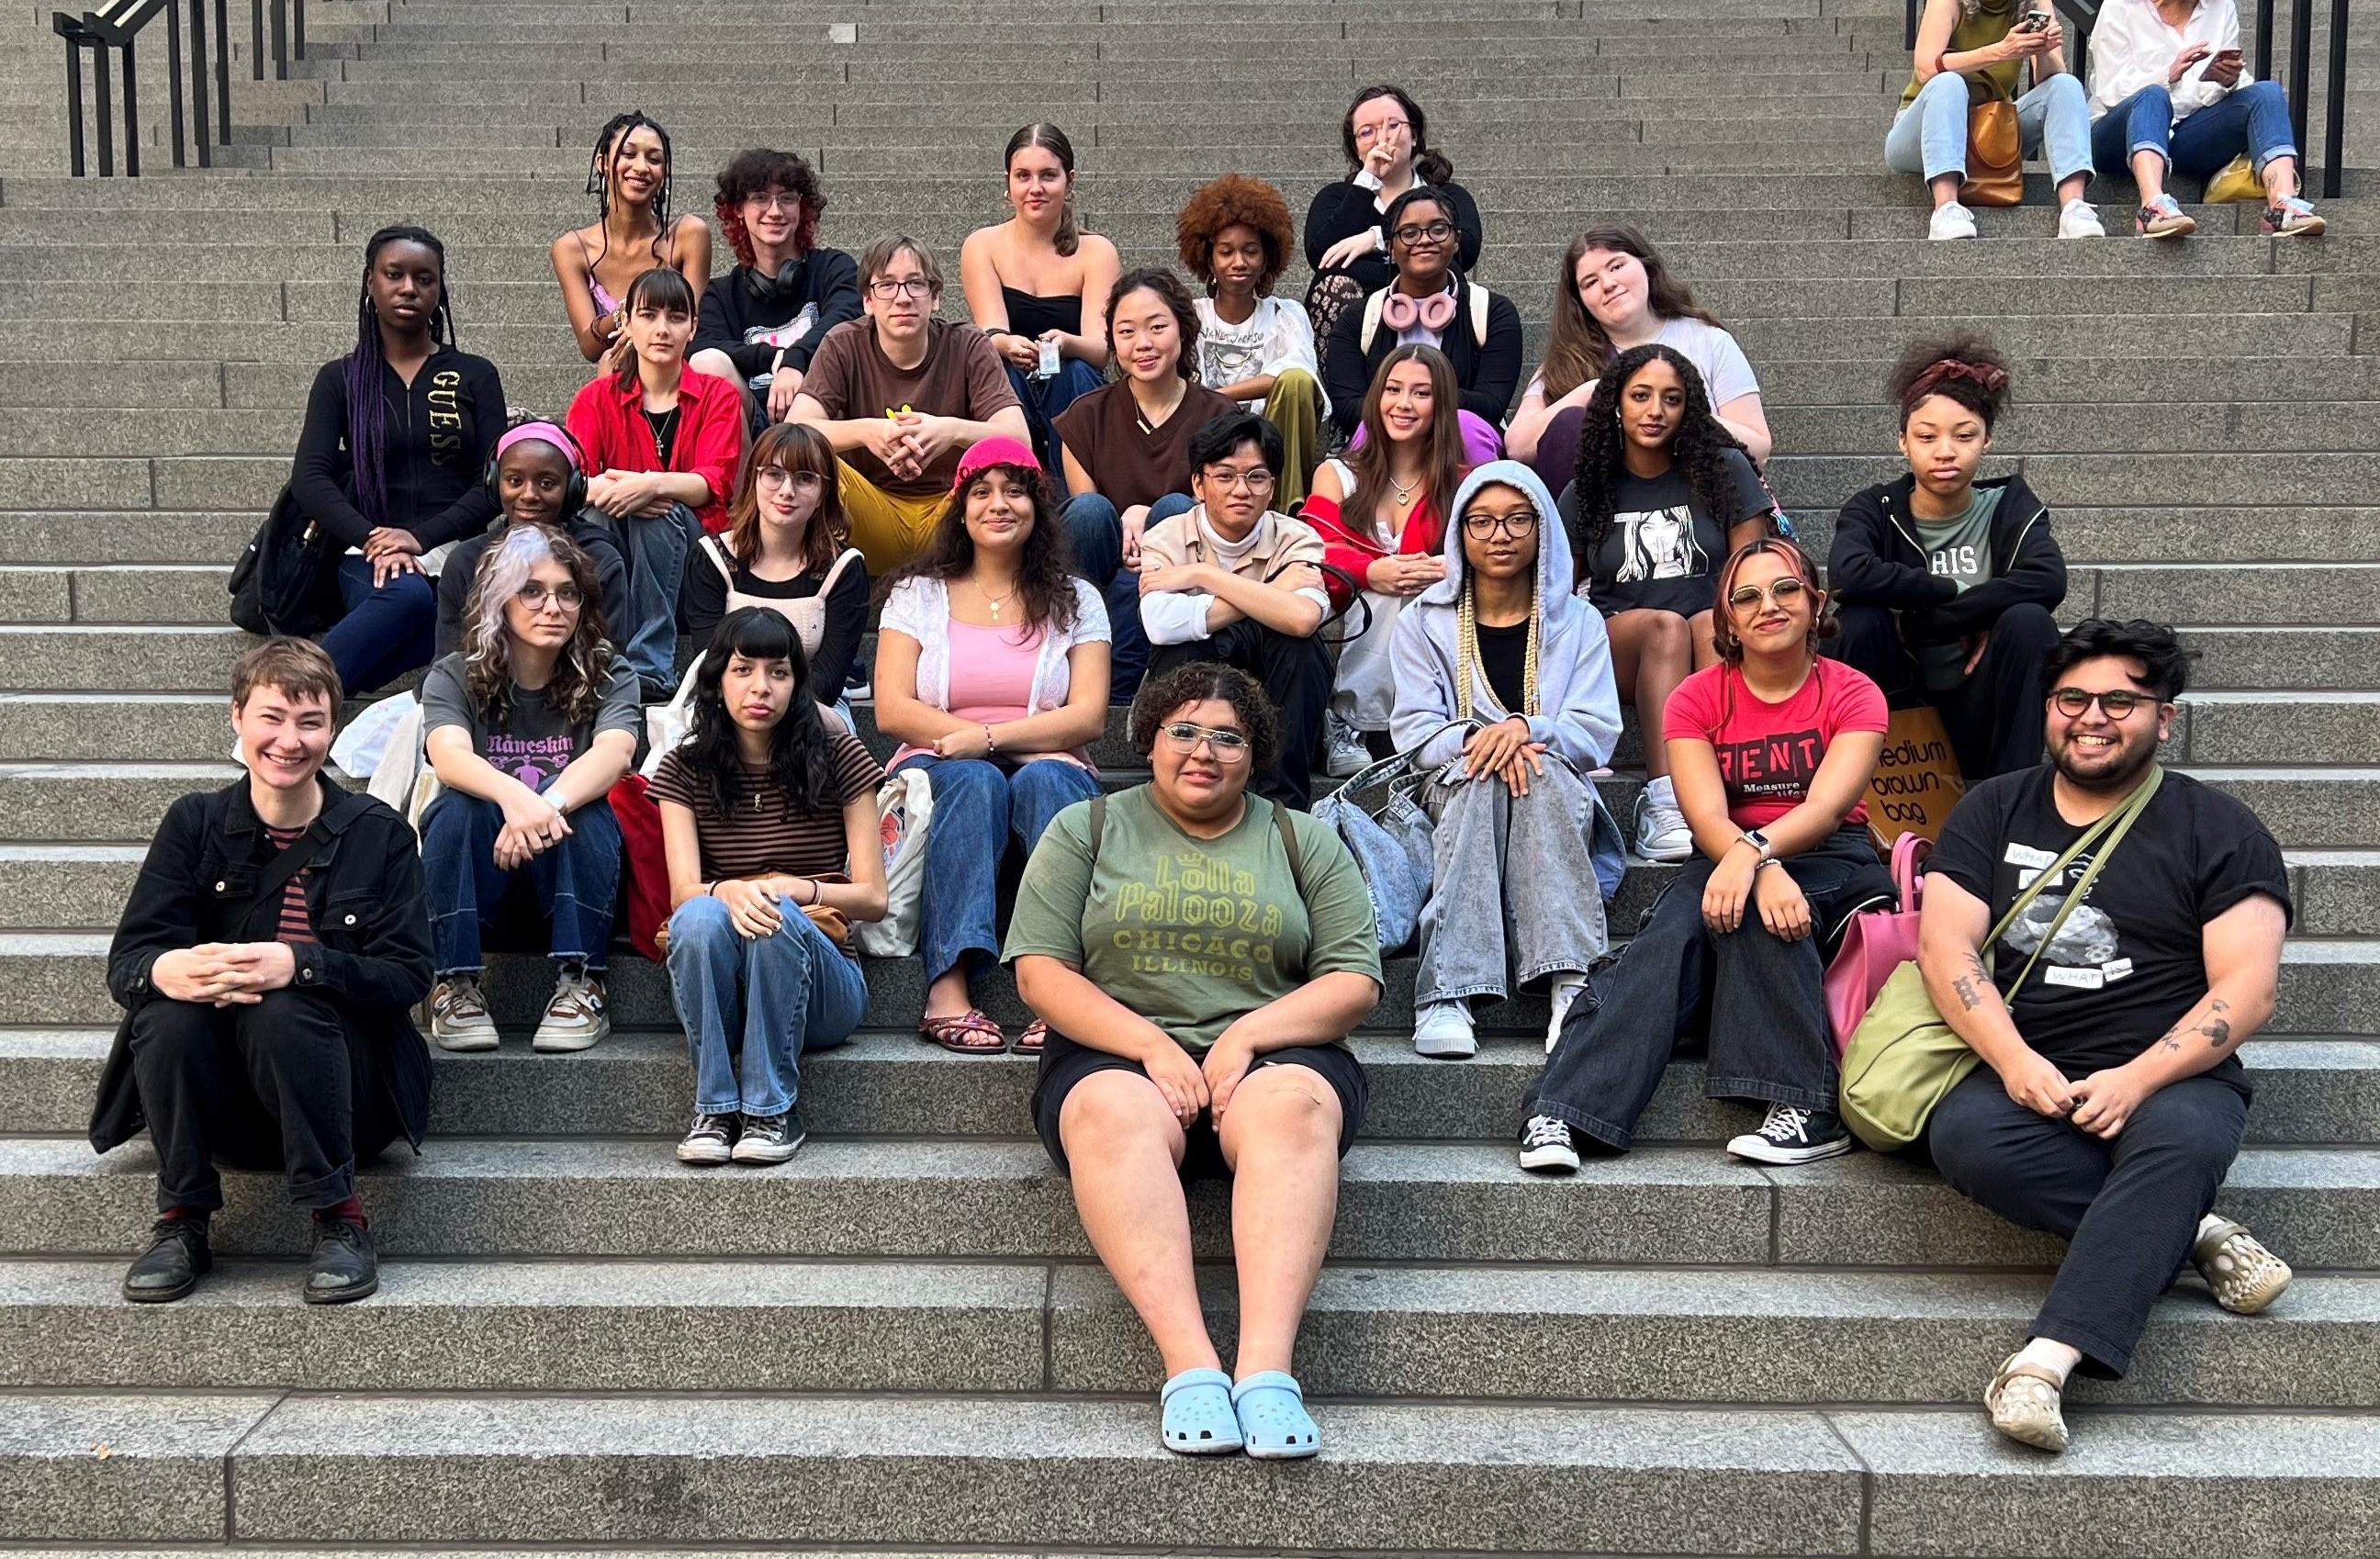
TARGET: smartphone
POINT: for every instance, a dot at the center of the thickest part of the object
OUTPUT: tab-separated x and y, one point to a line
1047	365
2035	21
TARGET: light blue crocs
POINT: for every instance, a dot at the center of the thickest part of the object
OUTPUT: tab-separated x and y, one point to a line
1273	1419
1198	1417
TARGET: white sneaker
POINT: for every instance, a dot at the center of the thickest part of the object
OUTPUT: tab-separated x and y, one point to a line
1662	830
576	1016
1565	992
1445	1030
1545	1146
1344	753
1953	221
458	1015
2080	219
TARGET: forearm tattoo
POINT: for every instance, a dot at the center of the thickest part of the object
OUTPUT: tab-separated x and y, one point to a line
2215	1026
1969	986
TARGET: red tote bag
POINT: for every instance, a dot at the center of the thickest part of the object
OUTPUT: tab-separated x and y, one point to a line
644	864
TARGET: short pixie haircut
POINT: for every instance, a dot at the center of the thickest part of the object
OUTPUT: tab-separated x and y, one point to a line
2165	665
299	667
1196	683
1234	201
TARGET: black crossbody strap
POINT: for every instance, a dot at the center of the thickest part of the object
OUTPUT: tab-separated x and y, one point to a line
286	864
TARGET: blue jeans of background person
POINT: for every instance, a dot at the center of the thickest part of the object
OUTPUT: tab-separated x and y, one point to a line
979	807
752	1005
1043	399
1930	135
575	881
386	633
656	546
2255	120
1763	1000
1095	533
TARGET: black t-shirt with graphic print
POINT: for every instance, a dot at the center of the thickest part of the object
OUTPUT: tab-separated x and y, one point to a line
2130	962
1661	552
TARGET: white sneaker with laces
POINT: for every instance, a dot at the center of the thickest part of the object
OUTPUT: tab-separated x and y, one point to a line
1344	753
1445	1030
1662	830
1566	989
458	1015
576	1016
2080	219
1953	221
1545	1146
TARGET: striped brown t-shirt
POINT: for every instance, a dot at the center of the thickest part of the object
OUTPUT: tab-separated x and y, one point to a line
761	835
296	926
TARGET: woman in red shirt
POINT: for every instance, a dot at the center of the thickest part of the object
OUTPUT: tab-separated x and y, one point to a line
1772	749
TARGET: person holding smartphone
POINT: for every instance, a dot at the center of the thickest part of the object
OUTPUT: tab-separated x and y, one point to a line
1975	51
2170	93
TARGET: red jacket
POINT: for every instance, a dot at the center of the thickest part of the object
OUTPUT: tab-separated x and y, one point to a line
1346	548
609	423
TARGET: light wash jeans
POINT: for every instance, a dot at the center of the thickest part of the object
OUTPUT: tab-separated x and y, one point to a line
979	807
656	547
750	1008
1929	136
1513	885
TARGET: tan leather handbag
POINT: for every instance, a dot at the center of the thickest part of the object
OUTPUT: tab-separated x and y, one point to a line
1995	156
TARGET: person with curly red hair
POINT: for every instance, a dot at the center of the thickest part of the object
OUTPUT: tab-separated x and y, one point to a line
762	321
1235	235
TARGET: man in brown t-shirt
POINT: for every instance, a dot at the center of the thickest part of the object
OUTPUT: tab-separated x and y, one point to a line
1236	582
901	394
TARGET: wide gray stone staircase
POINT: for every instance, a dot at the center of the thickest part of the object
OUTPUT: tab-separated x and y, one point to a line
899	1340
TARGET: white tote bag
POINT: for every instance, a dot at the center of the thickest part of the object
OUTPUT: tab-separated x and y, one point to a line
907	803
668	725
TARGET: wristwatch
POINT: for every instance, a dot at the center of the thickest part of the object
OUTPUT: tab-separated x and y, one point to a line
1759	842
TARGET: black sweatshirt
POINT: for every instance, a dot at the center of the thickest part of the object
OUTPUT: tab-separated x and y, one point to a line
702	602
732	311
1876	560
1487	372
1344	208
440	432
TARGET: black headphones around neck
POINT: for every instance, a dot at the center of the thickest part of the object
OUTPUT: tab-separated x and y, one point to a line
770	289
573	492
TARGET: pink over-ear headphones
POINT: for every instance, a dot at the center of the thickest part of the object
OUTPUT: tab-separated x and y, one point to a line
1434	313
574	496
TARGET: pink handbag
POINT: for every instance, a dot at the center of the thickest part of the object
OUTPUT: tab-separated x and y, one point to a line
1876	943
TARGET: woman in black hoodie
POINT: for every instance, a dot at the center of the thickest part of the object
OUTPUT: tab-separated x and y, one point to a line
1944	583
393	457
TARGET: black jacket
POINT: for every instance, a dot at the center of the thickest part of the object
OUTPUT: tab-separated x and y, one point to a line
1876	560
437	436
1487	374
829	278
1344	208
364	891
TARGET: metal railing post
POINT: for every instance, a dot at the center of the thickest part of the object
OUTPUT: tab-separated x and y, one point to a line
2264	39
256	43
133	114
223	72
105	98
2301	67
173	73
297	38
281	39
198	81
74	102
2333	133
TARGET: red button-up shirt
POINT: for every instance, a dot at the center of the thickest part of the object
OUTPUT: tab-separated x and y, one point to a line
608	420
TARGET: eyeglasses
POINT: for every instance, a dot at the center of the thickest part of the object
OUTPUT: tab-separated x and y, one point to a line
775	200
1374	132
567	596
1436	232
1482	527
1257	480
1184	737
777	475
2118	702
885	289
1783	592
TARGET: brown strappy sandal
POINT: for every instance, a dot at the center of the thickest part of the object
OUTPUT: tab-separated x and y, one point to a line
1036	1034
969	1033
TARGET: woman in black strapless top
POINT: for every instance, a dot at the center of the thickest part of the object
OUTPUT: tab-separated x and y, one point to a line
1037	281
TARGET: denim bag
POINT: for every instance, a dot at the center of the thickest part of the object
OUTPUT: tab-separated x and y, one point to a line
1391	846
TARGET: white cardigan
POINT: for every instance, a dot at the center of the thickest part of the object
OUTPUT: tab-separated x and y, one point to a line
920	606
2132	47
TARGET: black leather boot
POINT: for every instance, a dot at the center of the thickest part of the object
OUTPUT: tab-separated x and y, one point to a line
344	1267
170	1266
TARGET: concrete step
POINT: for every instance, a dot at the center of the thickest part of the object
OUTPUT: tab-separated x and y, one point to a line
981	1198
1719	1336
125	593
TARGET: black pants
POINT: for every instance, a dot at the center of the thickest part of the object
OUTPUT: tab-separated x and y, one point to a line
1994	716
1763	1000
1296	676
283	1084
2128	1208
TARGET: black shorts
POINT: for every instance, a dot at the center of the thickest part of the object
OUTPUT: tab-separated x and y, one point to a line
1064	1064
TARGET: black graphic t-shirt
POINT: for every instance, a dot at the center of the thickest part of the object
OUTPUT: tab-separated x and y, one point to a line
2130	961
1661	551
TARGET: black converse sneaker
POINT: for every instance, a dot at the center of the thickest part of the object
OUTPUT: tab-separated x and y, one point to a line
1545	1146
1794	1135
710	1141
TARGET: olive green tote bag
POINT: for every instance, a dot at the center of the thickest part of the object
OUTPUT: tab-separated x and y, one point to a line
1903	1057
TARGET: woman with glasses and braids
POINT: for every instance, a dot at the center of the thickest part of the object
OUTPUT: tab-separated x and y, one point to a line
1772	749
1944	583
1432	302
1503	683
633	233
397	438
1199	956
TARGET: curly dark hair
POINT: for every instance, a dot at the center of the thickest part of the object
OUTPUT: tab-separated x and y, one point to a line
1196	683
1162	281
800	766
2165	665
1045	581
1235	199
756	171
1966	368
1698	449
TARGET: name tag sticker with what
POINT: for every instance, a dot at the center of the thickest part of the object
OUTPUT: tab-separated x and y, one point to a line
2025	856
2080	979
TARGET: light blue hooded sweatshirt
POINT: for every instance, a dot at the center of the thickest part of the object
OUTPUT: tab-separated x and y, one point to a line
1579	704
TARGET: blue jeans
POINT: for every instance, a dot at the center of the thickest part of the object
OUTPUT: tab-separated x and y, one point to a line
2255	119
386	633
1043	399
1095	534
656	547
751	1007
1930	135
979	807
576	882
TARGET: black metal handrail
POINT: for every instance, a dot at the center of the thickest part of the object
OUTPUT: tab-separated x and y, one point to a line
117	25
2085	13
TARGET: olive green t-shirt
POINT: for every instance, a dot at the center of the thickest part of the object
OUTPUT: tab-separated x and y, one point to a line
1192	933
1977	29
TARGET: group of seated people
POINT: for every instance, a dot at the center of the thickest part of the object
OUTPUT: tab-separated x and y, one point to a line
1466	601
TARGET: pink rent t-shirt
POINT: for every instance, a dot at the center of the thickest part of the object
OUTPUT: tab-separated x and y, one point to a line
1770	752
991	675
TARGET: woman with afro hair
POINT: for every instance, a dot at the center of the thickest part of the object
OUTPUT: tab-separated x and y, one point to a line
1235	235
760	322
